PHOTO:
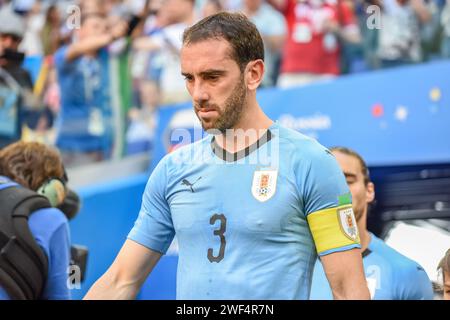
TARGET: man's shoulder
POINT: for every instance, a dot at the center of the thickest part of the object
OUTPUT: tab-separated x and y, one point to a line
187	154
398	262
303	146
49	219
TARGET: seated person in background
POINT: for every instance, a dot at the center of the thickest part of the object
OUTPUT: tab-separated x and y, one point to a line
30	169
444	268
390	275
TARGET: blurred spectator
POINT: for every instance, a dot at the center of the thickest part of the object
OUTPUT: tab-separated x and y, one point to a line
272	27
18	101
369	31
174	16
211	7
31	44
444	269
84	128
445	21
431	30
400	35
315	30
141	129
50	34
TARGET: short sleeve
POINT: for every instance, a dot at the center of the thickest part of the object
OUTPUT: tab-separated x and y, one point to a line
327	203
154	227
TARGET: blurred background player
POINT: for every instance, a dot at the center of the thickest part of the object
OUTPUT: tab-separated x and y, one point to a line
390	275
36	167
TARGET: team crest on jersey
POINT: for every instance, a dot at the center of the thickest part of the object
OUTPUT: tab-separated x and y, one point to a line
264	184
347	222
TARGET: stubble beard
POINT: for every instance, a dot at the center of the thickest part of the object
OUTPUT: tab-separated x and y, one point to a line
232	112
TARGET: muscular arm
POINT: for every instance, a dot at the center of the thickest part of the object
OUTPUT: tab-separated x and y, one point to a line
123	280
345	273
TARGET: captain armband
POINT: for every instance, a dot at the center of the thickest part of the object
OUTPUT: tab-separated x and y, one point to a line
333	228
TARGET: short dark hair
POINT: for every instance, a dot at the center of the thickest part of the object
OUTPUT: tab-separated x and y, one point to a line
352	153
243	36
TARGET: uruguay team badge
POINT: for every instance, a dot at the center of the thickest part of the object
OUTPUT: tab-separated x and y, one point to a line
264	184
347	222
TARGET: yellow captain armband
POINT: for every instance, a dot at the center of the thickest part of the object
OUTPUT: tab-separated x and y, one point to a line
333	228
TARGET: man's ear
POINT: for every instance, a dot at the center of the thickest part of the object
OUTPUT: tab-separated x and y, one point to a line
254	74
370	192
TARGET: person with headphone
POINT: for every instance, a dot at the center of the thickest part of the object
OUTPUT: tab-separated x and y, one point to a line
33	186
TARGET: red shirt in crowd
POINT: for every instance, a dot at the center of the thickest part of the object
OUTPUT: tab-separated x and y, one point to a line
308	48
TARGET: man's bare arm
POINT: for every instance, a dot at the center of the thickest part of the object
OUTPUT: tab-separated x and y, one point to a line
345	273
94	43
123	280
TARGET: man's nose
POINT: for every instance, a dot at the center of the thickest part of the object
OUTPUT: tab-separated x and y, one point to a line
199	93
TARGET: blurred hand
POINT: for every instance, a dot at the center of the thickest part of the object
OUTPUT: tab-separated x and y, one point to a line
120	29
331	26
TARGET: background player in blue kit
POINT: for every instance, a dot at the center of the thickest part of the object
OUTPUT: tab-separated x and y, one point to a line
390	275
250	211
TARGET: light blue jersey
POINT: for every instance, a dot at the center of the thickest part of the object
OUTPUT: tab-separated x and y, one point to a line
389	274
249	225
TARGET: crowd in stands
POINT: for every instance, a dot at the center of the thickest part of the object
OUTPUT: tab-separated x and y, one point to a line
107	65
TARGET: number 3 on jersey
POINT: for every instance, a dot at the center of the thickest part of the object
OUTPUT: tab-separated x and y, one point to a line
219	232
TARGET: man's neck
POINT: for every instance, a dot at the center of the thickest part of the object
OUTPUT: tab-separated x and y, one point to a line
364	234
250	128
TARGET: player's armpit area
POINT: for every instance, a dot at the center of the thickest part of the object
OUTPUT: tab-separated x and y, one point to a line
334	229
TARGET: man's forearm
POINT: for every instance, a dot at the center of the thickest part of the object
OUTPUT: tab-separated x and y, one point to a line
350	292
108	288
88	45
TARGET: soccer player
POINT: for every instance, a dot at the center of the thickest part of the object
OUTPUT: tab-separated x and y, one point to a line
390	275
252	214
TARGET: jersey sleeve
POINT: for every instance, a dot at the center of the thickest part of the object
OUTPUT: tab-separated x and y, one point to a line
327	204
154	227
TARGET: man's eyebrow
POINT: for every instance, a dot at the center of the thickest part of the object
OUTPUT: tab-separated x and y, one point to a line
210	72
214	72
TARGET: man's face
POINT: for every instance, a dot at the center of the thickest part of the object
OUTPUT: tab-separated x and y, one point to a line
362	194
9	41
93	26
215	83
446	285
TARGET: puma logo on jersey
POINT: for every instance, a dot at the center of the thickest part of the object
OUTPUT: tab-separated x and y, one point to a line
185	182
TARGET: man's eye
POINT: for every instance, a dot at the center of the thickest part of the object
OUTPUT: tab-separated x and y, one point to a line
188	78
212	77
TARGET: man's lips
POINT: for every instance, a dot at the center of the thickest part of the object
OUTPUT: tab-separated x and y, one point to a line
206	109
